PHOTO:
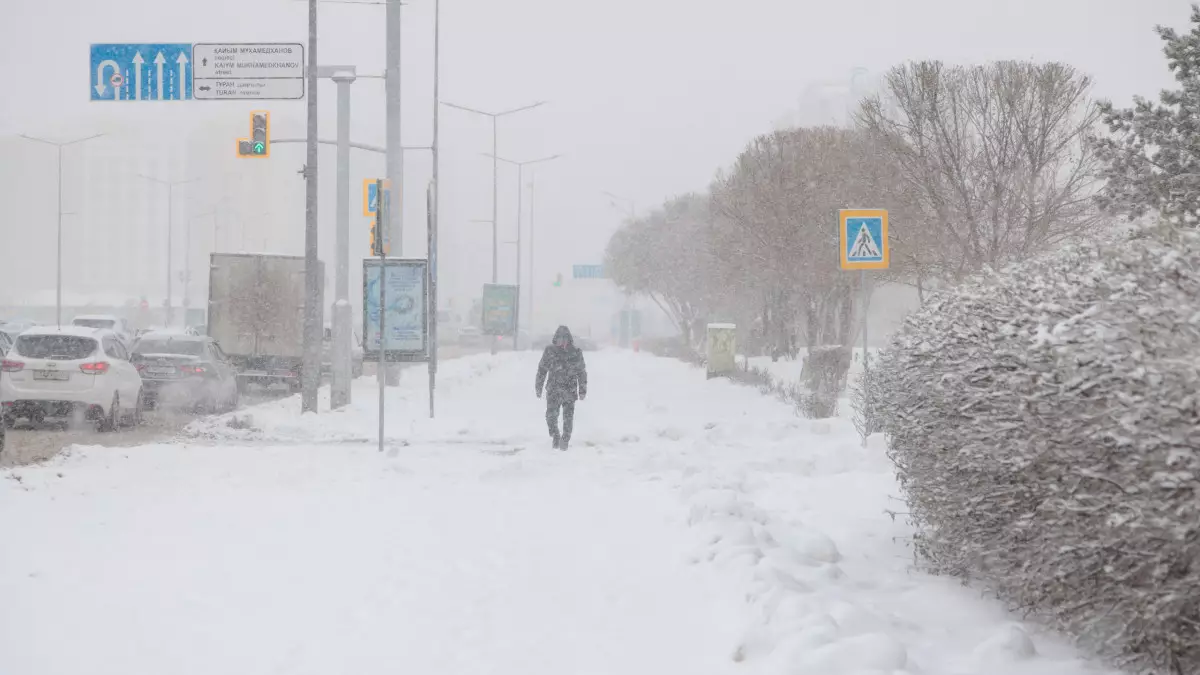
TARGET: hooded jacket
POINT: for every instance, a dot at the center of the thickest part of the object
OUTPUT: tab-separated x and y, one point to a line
562	370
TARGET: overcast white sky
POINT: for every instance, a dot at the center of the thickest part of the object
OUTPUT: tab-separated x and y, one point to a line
647	98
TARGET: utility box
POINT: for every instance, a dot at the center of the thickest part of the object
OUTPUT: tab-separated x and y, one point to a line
722	349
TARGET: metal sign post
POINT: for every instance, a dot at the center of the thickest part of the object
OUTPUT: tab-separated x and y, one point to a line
380	220
863	235
431	284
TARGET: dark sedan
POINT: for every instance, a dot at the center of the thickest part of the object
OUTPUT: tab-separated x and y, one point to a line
187	371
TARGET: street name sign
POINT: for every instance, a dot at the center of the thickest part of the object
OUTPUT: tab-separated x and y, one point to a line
247	71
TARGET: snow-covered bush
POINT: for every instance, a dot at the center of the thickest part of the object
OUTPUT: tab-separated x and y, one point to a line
824	376
1045	426
865	402
673	348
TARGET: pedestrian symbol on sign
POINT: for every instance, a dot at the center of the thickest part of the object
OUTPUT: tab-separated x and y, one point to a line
864	239
864	245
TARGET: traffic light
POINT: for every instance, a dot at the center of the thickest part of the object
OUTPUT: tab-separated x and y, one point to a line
374	246
259	143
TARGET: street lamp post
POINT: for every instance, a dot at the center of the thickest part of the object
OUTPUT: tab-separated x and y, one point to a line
58	272
495	167
520	191
171	185
187	258
532	284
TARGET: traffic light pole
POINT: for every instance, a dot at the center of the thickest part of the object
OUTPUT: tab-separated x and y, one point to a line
381	364
311	372
395	147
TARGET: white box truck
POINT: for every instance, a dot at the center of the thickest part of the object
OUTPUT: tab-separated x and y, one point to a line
256	313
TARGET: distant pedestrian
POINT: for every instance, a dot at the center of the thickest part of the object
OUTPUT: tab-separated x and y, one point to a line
564	375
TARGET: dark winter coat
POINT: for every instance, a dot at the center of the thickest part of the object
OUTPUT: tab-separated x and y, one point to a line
562	370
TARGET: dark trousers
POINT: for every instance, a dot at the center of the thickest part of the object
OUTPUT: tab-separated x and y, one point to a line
568	415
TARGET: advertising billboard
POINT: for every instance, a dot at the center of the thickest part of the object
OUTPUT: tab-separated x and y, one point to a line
406	320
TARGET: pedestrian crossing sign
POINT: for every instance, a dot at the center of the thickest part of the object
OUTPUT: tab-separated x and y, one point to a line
864	239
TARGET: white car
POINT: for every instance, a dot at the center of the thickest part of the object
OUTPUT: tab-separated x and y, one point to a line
70	372
107	321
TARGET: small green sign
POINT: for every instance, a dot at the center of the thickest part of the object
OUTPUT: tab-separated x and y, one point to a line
499	309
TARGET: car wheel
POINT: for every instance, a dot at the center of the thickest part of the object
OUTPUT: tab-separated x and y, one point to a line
113	420
138	411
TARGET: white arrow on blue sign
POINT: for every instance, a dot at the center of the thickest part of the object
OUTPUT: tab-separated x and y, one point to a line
154	71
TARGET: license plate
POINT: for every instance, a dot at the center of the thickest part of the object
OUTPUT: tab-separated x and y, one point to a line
161	371
51	375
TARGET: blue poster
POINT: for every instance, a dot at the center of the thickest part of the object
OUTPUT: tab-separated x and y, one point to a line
405	320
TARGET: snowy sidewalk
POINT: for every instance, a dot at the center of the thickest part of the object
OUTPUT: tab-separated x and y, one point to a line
694	527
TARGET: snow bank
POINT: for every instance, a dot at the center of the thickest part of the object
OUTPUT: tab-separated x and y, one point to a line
1045	425
827	575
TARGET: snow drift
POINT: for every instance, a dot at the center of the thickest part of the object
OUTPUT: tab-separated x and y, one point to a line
1045	426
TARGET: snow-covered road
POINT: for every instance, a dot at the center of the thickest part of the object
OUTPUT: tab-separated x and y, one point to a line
694	527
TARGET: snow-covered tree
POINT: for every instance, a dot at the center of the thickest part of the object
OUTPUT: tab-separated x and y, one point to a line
779	204
1152	157
996	156
662	255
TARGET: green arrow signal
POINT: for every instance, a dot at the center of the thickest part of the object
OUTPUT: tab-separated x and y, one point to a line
260	147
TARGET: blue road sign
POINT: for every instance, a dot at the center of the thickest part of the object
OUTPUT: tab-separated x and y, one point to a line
588	271
864	239
371	196
141	72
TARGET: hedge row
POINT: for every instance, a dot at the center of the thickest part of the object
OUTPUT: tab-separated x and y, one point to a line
1045	426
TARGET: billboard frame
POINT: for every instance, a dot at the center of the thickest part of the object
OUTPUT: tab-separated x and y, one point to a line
370	299
489	291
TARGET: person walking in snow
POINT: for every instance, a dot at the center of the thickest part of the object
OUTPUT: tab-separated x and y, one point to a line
564	375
